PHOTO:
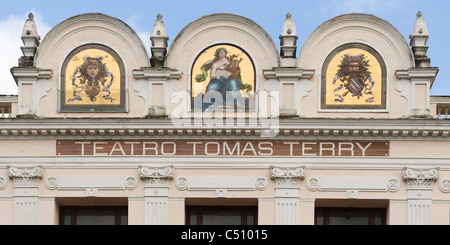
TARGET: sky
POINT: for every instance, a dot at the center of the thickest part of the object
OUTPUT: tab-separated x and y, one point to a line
269	14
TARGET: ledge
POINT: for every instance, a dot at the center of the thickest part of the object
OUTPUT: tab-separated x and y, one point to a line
319	128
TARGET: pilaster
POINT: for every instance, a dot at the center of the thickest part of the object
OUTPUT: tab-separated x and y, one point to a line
293	84
154	81
29	79
415	84
420	187
287	194
156	193
26	182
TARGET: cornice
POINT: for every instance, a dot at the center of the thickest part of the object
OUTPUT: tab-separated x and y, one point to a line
309	128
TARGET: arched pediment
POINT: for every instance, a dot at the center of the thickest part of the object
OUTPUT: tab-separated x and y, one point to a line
356	28
222	28
90	28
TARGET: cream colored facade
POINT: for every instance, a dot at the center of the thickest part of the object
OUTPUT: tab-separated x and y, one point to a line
409	176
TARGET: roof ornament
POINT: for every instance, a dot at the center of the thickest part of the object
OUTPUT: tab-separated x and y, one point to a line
418	41
30	39
288	42
159	40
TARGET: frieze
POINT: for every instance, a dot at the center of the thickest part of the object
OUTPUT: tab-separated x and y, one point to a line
240	183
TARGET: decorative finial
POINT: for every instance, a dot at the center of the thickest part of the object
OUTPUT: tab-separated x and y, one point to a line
419	14
288	15
159	43
30	16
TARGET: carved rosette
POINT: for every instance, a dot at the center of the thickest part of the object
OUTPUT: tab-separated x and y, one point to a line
312	184
51	183
182	183
131	183
3	182
156	177
420	178
287	177
352	194
221	193
261	183
444	185
25	176
91	192
393	185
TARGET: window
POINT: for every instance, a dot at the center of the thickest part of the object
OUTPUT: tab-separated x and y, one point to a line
350	216
93	216
219	215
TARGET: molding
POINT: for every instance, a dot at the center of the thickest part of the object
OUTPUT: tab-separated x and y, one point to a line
288	74
237	162
156	74
350	183
241	183
386	129
91	182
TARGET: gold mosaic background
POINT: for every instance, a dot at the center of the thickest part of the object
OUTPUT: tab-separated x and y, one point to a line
112	66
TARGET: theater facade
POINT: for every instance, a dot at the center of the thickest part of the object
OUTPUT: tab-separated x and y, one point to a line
224	127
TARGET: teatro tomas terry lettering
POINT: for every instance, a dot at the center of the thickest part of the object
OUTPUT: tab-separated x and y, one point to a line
223	148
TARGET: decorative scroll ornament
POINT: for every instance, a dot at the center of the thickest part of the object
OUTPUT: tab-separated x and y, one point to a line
420	178
25	176
287	177
156	176
3	182
444	185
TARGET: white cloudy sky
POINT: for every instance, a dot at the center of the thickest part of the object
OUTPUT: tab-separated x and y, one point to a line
269	14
